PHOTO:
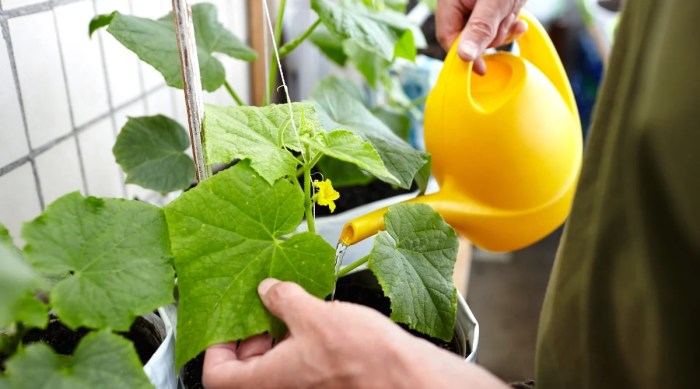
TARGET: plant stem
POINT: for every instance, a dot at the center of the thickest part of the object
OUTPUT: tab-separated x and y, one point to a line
347	269
290	46
273	60
309	165
315	160
310	222
233	93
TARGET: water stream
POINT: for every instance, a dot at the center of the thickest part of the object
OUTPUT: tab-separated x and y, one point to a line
340	249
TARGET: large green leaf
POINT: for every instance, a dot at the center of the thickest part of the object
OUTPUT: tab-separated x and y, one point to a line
112	253
227	236
374	30
396	119
261	134
151	151
414	261
339	110
154	41
329	45
101	360
352	88
347	146
370	65
18	283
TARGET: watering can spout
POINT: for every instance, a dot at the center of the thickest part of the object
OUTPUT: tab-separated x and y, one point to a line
506	147
486	227
371	223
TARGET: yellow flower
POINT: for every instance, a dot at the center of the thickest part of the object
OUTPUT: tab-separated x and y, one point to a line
326	194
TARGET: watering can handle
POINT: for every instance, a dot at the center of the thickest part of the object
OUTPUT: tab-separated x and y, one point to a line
536	47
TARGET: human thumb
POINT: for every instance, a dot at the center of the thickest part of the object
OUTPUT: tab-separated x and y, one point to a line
289	302
480	30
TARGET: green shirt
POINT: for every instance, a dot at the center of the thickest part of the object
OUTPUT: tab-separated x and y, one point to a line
622	303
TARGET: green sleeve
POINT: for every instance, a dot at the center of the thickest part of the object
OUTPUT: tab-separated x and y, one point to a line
625	283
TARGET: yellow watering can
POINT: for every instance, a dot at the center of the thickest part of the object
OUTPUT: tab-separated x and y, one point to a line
506	147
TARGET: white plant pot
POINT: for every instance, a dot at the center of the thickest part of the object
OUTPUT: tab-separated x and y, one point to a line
160	369
467	328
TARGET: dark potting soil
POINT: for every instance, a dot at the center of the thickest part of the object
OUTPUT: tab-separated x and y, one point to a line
145	338
61	339
64	340
191	373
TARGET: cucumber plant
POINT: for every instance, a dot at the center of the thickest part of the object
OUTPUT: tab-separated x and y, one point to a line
95	264
103	261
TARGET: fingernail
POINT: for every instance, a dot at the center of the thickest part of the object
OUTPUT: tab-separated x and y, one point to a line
468	50
266	284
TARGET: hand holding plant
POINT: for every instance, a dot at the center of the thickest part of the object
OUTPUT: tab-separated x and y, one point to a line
375	353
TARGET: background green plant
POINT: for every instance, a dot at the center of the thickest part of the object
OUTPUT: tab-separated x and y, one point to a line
365	32
94	263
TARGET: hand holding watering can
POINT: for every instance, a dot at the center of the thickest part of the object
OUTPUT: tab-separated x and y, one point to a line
506	147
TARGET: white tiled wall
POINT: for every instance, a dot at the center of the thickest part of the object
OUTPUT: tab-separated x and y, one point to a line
122	66
9	4
59	170
87	88
39	69
64	96
12	138
137	108
103	176
161	102
19	199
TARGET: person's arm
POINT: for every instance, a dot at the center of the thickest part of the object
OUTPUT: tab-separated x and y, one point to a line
335	344
481	23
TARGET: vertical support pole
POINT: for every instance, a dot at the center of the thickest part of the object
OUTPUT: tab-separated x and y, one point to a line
184	29
257	41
